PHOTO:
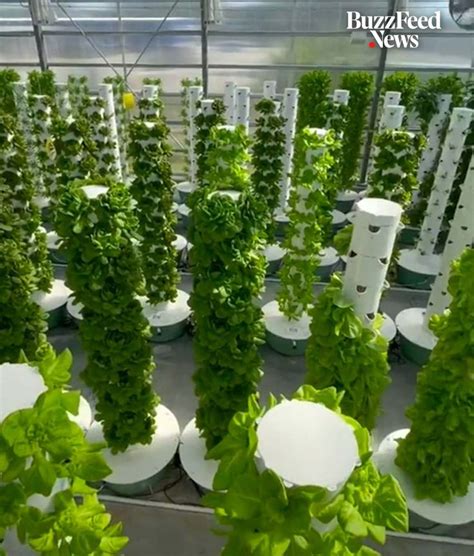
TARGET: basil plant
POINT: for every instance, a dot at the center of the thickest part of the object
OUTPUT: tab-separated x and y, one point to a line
263	516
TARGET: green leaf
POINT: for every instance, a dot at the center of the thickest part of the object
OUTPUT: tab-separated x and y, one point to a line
39	477
91	466
390	507
351	521
43	543
113	545
376	532
243	500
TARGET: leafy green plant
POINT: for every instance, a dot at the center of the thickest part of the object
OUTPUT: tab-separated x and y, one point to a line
360	84
121	115
152	188
313	104
8	78
267	160
204	124
404	82
265	517
344	353
42	83
394	176
79	92
185	85
342	240
310	216
40	446
228	272
438	452
104	273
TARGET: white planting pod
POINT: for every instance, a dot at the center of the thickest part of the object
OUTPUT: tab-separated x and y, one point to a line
269	89
435	130
289	111
391	98
392	117
229	101
341	96
242	106
461	235
375	229
106	92
443	181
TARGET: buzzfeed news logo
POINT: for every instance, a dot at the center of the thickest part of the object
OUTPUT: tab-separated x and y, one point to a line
378	25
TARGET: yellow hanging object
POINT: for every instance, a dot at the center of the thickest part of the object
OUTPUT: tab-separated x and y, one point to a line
128	100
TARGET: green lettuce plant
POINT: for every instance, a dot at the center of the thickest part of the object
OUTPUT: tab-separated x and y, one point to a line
8	78
438	453
404	82
228	272
79	92
264	517
105	275
204	124
42	83
310	217
39	446
360	85
184	112
313	104
122	117
267	160
344	353
152	188
396	166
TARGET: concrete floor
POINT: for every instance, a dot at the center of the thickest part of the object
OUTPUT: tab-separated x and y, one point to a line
161	532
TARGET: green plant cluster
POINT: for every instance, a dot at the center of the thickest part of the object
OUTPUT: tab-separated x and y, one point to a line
185	85
267	160
8	78
314	105
394	175
438	453
42	83
342	240
39	446
264	517
204	124
310	218
360	84
344	353
119	86
404	82
152	188
20	217
79	92
229	272
105	275
152	109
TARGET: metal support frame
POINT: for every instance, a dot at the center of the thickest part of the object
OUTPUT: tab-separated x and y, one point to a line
38	33
204	45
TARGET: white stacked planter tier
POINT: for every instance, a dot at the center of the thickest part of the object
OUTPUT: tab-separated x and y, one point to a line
345	200
185	188
288	111
52	240
274	254
106	92
339	220
53	303
242	107
180	244
192	454
168	320
141	467
329	261
229	101
457	512
285	336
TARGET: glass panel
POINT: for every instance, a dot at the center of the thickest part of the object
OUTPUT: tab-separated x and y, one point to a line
18	50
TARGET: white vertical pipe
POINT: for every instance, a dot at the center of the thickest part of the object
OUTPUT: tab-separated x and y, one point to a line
289	111
150	93
392	117
341	96
391	98
269	89
242	106
195	94
106	92
229	101
461	235
375	229
444	177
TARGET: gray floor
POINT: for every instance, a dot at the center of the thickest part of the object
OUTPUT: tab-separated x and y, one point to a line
162	532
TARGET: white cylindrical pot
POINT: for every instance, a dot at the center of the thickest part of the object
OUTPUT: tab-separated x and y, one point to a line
286	336
106	92
392	117
168	320
54	302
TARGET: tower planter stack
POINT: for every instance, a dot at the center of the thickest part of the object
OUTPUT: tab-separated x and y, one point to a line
228	271
165	307
229	101
433	459
347	348
297	478
97	227
267	152
418	267
286	319
417	339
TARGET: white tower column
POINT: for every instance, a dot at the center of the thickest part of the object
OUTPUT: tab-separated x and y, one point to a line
269	89
289	111
229	101
242	106
106	92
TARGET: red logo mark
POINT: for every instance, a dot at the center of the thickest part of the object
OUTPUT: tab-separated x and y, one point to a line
372	44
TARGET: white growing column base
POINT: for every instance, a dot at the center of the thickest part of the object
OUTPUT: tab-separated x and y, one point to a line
53	300
457	512
185	188
415	270
417	340
285	336
273	254
192	453
338	219
141	465
168	319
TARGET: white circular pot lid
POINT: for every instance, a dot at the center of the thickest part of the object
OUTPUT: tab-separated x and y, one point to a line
183	210
274	252
421	264
307	444
74	309
282	218
234	195
141	461
388	328
180	242
347	195
411	325
57	297
192	453
52	240
457	512
338	217
167	313
186	187
20	386
277	323
94	191
329	257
